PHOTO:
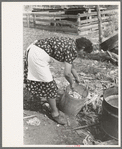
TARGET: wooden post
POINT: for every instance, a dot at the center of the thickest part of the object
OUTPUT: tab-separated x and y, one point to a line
28	20
78	23
89	11
99	26
54	23
90	17
34	20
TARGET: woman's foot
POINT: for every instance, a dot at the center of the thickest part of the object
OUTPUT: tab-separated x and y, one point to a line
59	120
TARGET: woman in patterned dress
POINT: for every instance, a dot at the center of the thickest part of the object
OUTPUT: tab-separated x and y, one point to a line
38	77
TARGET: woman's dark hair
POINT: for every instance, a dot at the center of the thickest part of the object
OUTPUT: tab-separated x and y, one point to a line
83	42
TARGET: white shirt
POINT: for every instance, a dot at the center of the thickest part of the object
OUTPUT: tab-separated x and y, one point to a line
38	65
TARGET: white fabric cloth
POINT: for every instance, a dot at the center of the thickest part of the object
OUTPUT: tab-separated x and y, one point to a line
38	65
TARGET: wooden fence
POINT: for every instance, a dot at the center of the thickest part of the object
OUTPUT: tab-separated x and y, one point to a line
77	24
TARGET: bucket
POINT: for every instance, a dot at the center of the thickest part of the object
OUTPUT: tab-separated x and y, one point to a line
71	105
110	112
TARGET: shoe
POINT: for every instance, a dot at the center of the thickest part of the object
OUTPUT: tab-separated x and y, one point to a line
59	120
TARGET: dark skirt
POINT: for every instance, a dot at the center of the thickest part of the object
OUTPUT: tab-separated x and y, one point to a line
42	89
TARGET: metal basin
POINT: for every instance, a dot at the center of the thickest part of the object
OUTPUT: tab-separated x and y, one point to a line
110	112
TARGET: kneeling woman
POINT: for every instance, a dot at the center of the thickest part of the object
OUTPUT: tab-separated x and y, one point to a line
39	80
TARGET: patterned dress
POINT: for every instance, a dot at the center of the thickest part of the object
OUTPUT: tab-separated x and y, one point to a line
62	49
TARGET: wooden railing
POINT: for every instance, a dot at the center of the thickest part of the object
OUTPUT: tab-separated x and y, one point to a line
77	24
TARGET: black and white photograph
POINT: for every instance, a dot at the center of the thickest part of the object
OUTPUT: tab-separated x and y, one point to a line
70	74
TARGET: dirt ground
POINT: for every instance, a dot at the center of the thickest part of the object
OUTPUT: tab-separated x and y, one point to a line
48	132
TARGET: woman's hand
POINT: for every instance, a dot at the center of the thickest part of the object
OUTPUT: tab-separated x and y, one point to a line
77	80
72	86
74	72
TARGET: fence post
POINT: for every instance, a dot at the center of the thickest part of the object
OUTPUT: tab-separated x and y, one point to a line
78	23
89	11
99	25
54	23
28	20
34	20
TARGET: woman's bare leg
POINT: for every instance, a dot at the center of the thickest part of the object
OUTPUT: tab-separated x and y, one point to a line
54	110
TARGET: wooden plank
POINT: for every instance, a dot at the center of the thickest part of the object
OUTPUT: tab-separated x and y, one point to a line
102	12
57	25
66	29
41	23
88	14
88	24
87	29
52	28
50	15
92	20
109	11
88	21
88	32
95	13
65	22
57	21
91	26
90	29
44	20
49	18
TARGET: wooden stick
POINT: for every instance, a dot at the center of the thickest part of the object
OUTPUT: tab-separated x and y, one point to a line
29	116
85	126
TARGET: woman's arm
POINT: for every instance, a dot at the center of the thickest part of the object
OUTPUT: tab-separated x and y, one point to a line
68	74
74	72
